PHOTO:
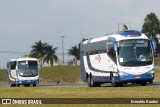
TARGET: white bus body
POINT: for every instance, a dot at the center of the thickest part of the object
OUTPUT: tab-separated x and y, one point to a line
23	71
118	58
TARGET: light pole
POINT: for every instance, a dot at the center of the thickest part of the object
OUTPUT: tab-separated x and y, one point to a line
62	48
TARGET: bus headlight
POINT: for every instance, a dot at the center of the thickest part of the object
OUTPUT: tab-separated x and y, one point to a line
151	72
122	73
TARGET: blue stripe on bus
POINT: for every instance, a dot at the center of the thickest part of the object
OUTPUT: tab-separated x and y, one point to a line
23	82
130	33
142	77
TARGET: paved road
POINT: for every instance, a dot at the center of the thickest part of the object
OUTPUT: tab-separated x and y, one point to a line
155	84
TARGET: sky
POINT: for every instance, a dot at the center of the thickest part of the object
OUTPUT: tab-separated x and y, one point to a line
24	22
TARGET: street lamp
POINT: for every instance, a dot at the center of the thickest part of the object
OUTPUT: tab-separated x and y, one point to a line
62	48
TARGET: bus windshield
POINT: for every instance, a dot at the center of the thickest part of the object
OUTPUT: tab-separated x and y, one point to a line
28	68
137	52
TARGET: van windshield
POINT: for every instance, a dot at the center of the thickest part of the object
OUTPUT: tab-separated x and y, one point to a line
137	52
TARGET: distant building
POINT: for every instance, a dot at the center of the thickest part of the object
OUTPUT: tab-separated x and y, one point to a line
49	61
158	37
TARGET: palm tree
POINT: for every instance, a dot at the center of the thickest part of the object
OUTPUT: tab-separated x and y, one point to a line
50	53
75	51
43	50
38	49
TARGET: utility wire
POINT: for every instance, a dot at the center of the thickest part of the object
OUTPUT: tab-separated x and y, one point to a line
18	52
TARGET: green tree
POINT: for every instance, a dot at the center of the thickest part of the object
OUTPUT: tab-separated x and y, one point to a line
151	26
75	50
50	52
38	49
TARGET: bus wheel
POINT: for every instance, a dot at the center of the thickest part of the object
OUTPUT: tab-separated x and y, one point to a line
90	81
34	85
12	85
151	81
97	84
27	85
120	84
143	83
18	85
114	83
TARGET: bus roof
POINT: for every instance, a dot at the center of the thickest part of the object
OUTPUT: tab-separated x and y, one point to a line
24	59
121	35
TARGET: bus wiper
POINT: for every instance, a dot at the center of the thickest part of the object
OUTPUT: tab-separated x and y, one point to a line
30	70
126	63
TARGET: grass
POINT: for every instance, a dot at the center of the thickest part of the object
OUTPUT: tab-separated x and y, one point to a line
3	75
60	72
64	72
80	92
157	61
83	92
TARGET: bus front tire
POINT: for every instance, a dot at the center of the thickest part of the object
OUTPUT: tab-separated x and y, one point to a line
151	81
12	85
91	83
143	83
34	85
27	85
114	83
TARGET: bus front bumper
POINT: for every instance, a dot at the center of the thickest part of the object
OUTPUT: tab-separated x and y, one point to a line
24	82
146	77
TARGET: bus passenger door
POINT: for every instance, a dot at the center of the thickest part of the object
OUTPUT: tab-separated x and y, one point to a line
111	53
13	72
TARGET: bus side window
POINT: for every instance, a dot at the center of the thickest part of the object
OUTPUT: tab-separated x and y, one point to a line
82	52
13	65
111	52
8	66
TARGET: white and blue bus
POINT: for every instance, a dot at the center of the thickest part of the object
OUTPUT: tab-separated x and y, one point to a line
23	71
119	58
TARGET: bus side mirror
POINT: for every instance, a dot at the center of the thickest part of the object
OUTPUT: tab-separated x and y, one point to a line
39	67
153	44
115	46
17	67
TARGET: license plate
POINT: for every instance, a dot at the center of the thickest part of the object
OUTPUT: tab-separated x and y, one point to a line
28	81
137	77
